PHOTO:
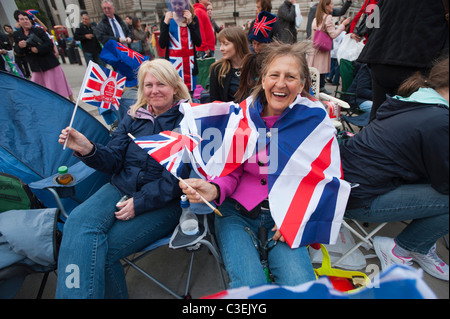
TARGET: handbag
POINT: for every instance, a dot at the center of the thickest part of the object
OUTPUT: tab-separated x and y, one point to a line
137	46
342	280
322	41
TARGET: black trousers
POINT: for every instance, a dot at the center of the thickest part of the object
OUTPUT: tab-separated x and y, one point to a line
386	79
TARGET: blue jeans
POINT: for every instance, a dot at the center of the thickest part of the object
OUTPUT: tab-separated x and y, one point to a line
427	208
94	57
94	242
366	106
288	266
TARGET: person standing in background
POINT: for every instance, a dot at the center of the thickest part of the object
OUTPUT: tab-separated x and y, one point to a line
206	29
287	31
89	43
216	28
38	49
112	26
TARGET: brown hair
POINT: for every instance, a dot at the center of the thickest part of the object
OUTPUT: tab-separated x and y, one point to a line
278	49
437	79
321	11
238	37
266	5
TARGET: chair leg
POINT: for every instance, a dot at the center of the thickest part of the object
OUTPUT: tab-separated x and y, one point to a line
366	239
152	278
42	286
188	280
219	261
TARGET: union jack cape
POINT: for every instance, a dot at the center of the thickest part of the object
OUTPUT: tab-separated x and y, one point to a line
102	87
306	191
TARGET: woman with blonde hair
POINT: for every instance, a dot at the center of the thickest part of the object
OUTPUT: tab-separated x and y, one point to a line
100	231
225	74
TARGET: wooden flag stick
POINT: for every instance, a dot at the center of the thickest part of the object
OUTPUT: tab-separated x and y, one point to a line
83	86
215	210
71	122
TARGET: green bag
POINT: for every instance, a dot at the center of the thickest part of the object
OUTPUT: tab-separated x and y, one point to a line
15	194
203	71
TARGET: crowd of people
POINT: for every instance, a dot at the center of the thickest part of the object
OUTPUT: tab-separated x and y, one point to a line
399	161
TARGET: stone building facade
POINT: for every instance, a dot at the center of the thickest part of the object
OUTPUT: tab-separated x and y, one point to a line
150	11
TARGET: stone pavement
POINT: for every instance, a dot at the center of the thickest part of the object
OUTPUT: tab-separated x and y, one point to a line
171	265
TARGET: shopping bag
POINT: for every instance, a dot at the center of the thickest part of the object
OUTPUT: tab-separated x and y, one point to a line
349	49
342	280
298	15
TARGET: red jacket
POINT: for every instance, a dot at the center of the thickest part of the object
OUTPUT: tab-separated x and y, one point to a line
206	29
359	15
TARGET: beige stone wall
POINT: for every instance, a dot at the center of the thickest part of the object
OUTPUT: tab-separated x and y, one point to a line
150	11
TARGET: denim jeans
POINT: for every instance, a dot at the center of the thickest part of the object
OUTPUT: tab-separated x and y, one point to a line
427	208
94	57
288	266
366	106
94	242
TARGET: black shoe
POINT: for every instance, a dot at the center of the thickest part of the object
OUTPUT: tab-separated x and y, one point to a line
324	90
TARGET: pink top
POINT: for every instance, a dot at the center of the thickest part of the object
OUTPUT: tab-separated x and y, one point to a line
248	183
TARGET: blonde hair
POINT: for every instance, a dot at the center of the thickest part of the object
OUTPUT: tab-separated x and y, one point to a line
164	72
278	49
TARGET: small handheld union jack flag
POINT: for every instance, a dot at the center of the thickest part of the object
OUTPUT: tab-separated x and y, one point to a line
102	87
170	149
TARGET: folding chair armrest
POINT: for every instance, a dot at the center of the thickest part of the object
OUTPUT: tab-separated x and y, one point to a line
342	104
79	171
345	93
58	201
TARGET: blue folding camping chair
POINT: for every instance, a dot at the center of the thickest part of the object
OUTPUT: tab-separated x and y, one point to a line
192	244
32	117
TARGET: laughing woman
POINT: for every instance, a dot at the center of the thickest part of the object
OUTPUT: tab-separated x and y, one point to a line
280	102
225	73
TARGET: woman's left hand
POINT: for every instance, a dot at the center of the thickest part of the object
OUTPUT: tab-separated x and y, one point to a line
126	211
188	16
34	50
277	236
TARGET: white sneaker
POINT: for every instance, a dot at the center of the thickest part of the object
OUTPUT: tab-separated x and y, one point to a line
432	264
384	247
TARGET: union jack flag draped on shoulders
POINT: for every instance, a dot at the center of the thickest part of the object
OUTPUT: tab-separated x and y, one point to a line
306	190
170	149
102	87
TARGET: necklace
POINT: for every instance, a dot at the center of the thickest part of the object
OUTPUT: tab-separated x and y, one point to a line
238	73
